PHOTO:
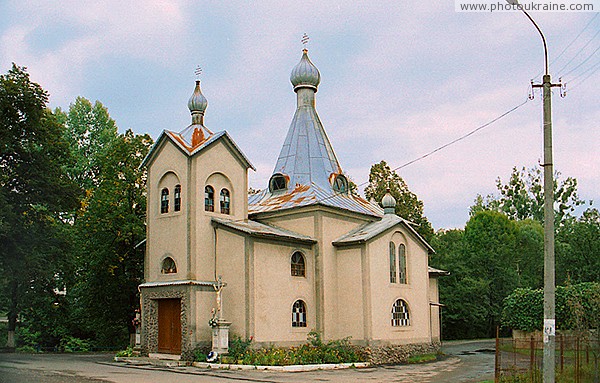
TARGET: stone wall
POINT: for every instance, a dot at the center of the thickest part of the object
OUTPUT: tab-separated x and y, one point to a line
395	354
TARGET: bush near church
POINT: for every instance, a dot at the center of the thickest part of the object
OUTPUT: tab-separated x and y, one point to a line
577	308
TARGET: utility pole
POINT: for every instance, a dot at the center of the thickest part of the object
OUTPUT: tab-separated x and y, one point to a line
549	334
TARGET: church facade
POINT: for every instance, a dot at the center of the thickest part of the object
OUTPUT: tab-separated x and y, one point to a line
303	254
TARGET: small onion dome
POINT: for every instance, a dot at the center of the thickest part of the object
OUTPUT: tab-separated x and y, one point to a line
389	203
305	74
197	104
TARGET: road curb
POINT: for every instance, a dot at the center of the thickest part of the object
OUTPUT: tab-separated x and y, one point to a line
144	361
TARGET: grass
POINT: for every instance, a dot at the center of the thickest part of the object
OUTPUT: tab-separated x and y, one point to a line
423	358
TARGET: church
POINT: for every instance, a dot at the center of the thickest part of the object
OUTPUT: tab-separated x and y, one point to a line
304	254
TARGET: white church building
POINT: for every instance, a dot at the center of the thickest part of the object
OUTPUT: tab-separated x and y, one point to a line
303	254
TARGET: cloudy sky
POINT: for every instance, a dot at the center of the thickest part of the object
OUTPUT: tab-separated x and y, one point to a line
399	79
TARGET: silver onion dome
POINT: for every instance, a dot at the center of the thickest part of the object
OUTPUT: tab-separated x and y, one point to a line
389	203
197	102
305	73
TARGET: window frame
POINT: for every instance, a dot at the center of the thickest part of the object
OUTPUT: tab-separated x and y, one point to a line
277	183
298	267
177	198
209	198
402	268
164	200
393	270
299	319
400	313
225	201
172	270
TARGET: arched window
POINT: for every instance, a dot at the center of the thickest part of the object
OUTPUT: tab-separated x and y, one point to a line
209	198
393	274
299	314
177	199
340	184
168	266
400	314
402	276
225	201
298	265
277	182
164	201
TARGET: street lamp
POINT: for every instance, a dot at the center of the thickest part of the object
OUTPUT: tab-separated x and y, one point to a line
549	280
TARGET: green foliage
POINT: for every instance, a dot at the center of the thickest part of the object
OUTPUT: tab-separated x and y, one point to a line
522	197
422	358
238	347
577	308
128	352
315	351
408	206
578	249
524	310
35	194
109	226
72	344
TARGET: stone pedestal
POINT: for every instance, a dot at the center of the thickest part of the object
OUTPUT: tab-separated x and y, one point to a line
220	337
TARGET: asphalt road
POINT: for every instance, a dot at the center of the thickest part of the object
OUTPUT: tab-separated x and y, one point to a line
467	362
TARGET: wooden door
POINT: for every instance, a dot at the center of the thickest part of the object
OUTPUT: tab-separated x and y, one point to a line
169	326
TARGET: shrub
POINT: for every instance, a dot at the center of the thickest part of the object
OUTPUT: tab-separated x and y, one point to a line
128	352
577	307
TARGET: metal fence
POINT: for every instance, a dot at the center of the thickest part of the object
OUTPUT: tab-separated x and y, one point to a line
577	358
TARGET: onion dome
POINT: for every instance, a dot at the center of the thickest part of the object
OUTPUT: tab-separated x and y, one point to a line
197	105
389	203
305	73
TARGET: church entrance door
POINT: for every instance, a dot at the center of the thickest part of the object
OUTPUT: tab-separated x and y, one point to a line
169	326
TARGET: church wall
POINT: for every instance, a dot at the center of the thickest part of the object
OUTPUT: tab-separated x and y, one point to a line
415	293
435	310
332	227
168	169
231	266
276	290
350	303
299	222
218	167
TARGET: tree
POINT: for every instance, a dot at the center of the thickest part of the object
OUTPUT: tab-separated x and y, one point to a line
111	225
89	131
578	253
522	197
34	192
408	205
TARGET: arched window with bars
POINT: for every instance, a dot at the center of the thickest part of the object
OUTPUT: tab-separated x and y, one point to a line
164	201
299	314
177	198
400	314
225	200
209	198
402	274
298	265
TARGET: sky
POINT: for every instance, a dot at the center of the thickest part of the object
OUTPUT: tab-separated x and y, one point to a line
398	80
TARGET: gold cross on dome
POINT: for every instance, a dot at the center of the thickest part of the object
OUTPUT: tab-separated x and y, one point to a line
198	72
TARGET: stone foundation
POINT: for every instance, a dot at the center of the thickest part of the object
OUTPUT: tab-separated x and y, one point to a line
397	354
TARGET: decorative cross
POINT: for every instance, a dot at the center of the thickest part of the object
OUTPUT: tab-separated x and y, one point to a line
304	40
198	72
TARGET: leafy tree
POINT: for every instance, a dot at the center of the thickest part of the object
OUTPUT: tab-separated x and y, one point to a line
89	132
522	197
110	266
408	205
34	192
578	253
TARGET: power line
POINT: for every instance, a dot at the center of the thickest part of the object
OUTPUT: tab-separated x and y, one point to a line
583	62
456	140
571	43
578	52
